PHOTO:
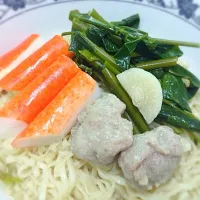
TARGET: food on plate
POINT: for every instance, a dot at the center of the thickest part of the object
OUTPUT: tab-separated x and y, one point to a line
35	64
14	57
145	91
5	97
7	178
153	158
68	143
101	133
109	80
57	119
105	50
25	106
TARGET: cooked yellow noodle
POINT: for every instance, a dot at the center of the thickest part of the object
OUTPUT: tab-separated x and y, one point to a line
54	173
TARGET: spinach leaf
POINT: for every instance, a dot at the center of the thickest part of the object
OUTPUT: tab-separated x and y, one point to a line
158	73
115	40
132	21
109	46
99	37
175	90
184	73
81	42
167	51
153	50
75	45
139	59
95	35
145	53
123	56
178	119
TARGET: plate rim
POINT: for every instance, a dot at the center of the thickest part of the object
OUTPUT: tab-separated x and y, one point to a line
56	2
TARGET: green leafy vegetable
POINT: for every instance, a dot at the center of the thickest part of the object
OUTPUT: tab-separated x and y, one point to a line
81	42
167	51
99	37
104	49
74	13
123	56
93	13
77	44
78	25
132	21
132	34
184	73
178	119
95	35
109	46
158	73
175	90
163	50
144	52
173	105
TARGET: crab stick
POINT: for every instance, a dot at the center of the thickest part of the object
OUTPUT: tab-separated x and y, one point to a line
57	119
14	57
35	64
24	107
5	97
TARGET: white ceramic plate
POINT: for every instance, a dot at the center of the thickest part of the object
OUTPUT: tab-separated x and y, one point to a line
172	19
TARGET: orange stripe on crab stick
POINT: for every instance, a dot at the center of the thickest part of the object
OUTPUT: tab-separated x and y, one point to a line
35	64
8	57
33	99
14	57
60	115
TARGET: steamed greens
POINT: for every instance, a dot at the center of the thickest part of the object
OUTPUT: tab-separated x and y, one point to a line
105	49
178	118
184	73
175	90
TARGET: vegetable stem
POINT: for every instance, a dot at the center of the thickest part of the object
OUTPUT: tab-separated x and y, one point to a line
95	22
106	26
97	16
135	129
128	34
67	33
86	69
133	111
117	89
101	79
79	25
175	42
92	59
155	64
111	68
99	52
